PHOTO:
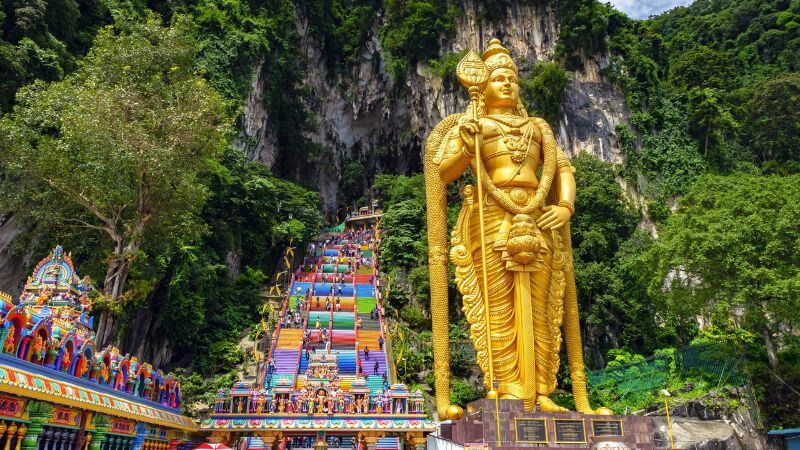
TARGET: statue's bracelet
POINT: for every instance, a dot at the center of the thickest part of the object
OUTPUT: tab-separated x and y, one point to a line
466	153
568	205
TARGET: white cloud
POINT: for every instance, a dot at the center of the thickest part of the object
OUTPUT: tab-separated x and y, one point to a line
642	9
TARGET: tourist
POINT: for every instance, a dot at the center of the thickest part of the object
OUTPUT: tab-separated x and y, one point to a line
375	368
380	342
366	352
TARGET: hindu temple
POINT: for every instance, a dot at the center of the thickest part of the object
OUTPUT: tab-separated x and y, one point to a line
58	391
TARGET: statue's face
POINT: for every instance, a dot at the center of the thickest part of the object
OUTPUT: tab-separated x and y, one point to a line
502	88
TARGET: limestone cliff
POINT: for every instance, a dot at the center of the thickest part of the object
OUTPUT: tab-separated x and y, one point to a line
362	116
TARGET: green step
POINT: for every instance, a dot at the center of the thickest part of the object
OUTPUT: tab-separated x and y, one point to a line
366	304
324	318
346	321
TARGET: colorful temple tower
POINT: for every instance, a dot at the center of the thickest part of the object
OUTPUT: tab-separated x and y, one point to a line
59	392
329	377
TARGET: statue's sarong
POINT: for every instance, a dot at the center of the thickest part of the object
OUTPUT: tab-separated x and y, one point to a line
525	301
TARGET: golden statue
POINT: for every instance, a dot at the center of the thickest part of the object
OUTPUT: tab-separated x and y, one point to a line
511	244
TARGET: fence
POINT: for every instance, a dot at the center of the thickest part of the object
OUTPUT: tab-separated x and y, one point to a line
717	364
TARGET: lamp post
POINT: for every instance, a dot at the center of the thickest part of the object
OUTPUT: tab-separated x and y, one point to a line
495	386
666	395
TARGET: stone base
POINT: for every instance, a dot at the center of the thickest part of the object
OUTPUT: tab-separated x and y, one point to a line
571	430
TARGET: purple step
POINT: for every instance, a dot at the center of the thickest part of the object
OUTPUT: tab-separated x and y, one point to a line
285	360
368	365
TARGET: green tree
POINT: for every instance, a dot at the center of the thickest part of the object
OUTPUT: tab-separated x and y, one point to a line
701	67
710	119
609	262
117	146
412	30
543	89
772	120
43	39
731	250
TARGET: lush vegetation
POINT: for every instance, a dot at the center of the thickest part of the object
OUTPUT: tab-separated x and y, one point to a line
43	40
127	162
135	171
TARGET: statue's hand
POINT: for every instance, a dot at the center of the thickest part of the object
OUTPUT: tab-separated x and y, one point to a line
554	217
468	131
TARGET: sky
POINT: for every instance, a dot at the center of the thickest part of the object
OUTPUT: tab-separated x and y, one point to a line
641	9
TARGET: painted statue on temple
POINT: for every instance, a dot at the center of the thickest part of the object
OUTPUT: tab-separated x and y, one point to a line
511	244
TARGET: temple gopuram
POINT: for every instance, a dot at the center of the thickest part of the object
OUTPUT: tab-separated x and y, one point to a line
329	378
59	392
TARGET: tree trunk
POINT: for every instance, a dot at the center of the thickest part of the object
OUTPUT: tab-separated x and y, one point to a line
113	287
772	354
234	261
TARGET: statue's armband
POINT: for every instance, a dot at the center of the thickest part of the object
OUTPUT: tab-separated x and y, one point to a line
563	163
451	157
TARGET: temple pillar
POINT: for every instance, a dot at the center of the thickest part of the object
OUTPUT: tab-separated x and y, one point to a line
101	425
270	439
371	441
141	431
21	431
38	412
11	433
70	439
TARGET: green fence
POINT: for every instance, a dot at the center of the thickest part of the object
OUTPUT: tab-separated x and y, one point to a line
717	364
631	380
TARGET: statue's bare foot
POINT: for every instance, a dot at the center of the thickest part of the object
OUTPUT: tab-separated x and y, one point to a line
548	405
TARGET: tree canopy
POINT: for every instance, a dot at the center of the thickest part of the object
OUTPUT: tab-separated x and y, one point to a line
117	146
730	253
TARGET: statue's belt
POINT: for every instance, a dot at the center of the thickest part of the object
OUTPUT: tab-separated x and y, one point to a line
519	239
518	195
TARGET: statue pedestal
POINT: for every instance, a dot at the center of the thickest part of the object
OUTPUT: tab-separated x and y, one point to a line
571	430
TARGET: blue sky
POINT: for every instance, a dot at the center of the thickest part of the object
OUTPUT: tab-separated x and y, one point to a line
641	9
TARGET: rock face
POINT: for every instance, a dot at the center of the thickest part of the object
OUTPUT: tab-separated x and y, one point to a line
712	423
363	117
12	267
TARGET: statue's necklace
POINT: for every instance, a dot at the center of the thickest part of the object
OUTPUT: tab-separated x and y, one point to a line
517	144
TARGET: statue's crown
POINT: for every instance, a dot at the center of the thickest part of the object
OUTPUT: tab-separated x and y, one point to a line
497	57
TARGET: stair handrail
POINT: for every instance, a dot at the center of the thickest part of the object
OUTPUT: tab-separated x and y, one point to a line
276	332
387	341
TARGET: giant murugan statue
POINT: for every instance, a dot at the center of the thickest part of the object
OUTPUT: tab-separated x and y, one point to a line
511	244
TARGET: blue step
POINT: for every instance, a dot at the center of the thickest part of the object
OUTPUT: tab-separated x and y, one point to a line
365	290
303	285
347	362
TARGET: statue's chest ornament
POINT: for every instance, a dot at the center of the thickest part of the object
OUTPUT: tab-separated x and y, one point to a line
517	142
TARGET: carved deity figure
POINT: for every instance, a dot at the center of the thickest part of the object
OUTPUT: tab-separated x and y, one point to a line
80	366
511	244
37	349
8	345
